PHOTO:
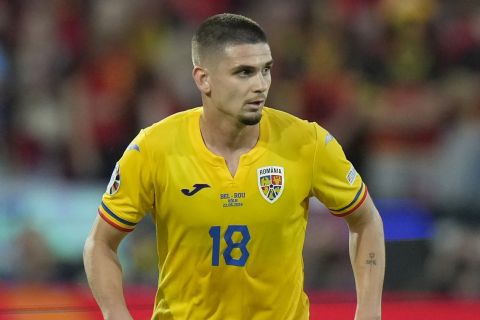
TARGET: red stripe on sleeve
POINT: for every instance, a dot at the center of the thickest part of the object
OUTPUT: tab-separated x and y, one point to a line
113	224
354	208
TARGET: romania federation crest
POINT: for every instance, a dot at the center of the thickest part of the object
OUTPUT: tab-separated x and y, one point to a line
271	181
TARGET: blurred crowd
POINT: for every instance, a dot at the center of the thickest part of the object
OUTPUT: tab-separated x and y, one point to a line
396	82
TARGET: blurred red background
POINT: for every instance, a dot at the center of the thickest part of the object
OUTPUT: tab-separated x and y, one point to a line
76	303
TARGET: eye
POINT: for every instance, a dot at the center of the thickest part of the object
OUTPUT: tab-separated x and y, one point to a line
244	72
266	70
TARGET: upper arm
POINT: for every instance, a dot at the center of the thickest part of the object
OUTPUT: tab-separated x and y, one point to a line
106	234
363	215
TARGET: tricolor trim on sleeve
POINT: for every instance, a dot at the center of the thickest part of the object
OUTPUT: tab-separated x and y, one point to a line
114	220
352	206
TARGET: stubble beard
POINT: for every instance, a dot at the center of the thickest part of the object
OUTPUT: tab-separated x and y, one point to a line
251	120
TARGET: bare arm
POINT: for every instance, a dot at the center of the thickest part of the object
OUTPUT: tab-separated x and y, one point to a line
103	270
367	254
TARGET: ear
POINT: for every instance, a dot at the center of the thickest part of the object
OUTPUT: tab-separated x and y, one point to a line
200	75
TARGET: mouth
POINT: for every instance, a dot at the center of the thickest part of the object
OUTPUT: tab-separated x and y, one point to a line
256	103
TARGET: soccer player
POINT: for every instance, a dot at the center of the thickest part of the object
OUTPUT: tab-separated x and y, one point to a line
228	186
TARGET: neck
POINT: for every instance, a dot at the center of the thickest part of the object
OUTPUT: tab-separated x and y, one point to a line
226	137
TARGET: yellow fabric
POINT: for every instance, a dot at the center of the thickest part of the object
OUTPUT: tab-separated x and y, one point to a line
230	247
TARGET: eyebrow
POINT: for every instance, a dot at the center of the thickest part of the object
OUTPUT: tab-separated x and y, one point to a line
250	67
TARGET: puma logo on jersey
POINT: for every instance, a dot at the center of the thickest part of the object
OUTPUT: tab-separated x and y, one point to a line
196	187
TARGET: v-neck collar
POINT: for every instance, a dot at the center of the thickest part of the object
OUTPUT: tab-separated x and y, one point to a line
218	161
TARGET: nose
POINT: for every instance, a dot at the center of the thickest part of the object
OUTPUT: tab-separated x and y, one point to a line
262	82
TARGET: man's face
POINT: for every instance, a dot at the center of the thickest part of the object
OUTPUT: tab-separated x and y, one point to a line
239	81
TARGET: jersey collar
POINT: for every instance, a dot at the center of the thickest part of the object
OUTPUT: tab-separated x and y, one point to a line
246	159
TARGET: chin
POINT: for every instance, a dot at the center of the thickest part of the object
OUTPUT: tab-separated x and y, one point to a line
252	120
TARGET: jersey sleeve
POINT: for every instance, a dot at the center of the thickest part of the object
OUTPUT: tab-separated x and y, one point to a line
130	193
336	183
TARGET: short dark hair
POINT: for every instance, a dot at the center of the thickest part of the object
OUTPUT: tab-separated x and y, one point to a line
225	29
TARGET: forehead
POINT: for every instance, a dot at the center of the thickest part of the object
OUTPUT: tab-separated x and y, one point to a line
257	54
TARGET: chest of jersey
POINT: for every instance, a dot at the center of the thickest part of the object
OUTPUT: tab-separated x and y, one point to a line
261	211
270	190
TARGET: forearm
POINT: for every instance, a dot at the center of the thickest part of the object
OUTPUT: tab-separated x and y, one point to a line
104	275
367	254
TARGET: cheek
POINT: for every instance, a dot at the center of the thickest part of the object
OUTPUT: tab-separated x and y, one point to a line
230	92
227	94
234	90
269	81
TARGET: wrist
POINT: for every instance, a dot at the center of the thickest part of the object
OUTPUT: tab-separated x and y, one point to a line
118	315
368	315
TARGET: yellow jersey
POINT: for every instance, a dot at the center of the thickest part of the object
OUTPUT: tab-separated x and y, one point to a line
230	247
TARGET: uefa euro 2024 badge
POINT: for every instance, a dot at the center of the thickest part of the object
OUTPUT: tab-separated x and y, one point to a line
114	184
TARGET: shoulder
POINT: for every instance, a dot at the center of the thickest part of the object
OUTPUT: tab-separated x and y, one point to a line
288	125
166	134
171	129
276	115
175	122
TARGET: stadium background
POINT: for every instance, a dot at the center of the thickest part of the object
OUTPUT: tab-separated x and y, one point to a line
396	82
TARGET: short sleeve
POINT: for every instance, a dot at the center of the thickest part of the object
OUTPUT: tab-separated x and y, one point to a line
130	193
336	183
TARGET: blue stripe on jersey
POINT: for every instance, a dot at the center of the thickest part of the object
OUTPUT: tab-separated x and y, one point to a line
113	215
353	201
